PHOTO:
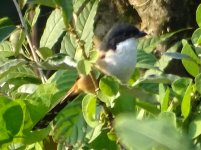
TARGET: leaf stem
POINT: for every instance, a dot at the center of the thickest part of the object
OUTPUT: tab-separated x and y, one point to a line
24	26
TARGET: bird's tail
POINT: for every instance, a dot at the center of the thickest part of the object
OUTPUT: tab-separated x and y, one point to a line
70	96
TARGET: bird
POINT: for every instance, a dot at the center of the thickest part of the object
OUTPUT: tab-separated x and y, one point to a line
117	58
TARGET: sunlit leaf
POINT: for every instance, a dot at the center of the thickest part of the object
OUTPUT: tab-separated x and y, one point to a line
70	125
84	67
8	112
191	66
84	24
109	86
53	29
6	49
149	44
44	52
186	102
17	38
180	85
89	110
69	45
164	97
198	14
196	37
8	66
36	15
155	133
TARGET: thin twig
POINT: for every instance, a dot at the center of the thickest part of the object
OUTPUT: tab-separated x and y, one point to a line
35	58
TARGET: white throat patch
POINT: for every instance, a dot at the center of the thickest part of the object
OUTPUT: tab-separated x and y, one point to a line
120	63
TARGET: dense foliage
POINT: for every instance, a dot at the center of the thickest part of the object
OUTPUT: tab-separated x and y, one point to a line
155	110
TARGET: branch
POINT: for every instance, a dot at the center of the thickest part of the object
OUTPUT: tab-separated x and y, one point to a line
24	26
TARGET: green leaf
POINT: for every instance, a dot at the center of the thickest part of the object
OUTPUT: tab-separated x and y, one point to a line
69	45
191	67
84	24
145	58
27	88
84	67
170	117
93	133
198	14
195	127
198	83
36	15
109	86
58	61
5	31
44	52
149	134
6	49
5	21
53	30
47	95
164	97
19	73
35	136
103	143
11	116
186	102
67	10
70	125
180	85
124	103
17	38
89	110
9	65
22	3
196	37
149	44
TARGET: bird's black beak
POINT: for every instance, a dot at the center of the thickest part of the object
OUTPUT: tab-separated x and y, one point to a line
141	34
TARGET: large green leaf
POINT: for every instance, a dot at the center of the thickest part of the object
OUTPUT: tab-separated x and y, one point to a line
53	29
190	65
164	97
8	66
69	45
90	110
17	38
84	24
149	44
84	67
195	127
11	118
149	134
6	49
180	85
70	125
196	37
145	60
198	14
49	94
